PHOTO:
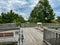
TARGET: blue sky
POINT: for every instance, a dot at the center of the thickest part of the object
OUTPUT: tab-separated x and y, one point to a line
55	4
24	7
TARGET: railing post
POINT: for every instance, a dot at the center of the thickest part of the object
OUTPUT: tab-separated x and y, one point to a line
59	36
56	37
44	35
21	37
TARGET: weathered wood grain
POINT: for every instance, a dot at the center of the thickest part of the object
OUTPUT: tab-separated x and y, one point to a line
32	36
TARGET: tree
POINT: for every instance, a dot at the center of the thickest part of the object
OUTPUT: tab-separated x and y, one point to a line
19	19
42	12
1	20
11	17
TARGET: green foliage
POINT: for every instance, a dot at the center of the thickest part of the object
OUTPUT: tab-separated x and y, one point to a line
11	17
54	21
58	19
42	12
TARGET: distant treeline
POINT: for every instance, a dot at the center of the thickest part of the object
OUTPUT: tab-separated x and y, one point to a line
11	17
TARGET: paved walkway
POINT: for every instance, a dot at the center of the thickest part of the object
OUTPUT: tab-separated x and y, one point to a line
32	36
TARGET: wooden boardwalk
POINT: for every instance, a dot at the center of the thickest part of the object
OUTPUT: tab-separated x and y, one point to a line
32	36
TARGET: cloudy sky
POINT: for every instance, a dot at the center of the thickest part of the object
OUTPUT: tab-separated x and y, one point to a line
24	7
56	6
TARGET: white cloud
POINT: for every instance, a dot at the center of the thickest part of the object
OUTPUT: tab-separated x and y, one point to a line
18	6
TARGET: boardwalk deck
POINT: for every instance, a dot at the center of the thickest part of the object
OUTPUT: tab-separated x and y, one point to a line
32	36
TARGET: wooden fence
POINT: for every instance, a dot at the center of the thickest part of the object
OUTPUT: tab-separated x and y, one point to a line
28	24
52	25
49	25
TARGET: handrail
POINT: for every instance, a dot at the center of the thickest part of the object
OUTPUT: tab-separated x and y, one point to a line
12	39
51	36
52	30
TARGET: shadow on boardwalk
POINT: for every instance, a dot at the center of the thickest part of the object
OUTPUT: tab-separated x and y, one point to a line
32	36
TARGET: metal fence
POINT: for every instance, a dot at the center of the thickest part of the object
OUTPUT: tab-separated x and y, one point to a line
51	36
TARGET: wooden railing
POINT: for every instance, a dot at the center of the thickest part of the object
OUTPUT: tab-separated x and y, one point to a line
6	39
51	36
5	35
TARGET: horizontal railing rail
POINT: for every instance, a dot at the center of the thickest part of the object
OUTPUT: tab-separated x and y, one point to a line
12	39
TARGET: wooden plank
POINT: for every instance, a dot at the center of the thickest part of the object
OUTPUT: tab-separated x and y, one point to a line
32	36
